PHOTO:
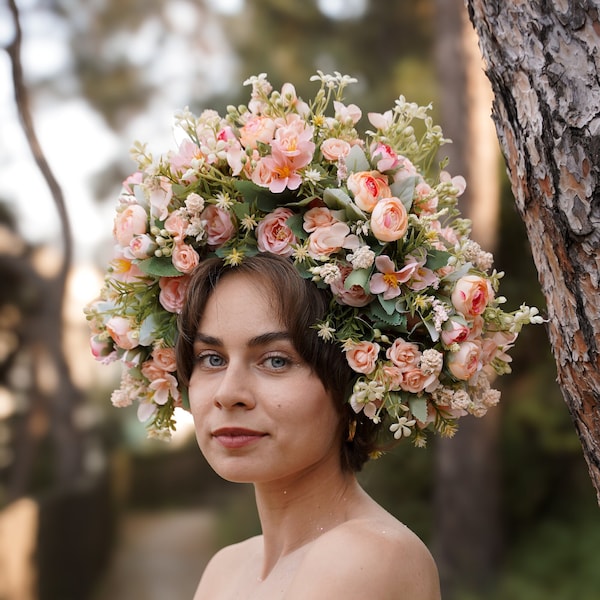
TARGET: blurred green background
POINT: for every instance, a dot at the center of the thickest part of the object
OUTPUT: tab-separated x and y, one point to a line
90	508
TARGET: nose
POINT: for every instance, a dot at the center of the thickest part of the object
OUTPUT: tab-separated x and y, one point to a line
235	389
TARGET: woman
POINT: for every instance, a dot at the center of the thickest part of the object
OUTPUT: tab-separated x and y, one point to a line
268	398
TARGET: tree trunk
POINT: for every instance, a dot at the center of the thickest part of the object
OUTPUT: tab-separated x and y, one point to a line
467	528
543	61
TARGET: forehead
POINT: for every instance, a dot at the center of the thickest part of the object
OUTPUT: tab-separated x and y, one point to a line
242	301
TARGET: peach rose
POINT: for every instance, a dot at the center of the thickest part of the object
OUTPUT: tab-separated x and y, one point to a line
404	355
334	148
471	295
415	381
273	234
317	217
392	377
326	240
165	359
465	362
219	226
130	222
368	187
185	258
257	129
122	332
172	292
152	371
362	357
389	220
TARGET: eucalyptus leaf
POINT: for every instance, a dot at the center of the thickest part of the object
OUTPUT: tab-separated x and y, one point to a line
158	267
437	259
357	277
418	408
356	160
434	334
295	223
404	190
148	329
335	198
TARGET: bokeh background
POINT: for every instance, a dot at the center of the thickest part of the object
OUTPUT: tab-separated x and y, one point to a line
89	508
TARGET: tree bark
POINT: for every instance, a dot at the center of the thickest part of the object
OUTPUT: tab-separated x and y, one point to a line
543	61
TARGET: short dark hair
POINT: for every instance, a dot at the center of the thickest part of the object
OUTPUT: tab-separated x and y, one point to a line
300	304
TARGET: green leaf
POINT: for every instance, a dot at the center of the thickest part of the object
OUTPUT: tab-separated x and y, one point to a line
404	190
264	199
418	408
158	267
437	259
357	277
434	334
335	198
295	223
356	160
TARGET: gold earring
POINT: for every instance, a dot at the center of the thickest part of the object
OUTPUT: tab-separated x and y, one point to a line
351	431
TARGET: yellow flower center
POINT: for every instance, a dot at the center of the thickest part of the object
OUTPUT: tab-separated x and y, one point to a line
391	279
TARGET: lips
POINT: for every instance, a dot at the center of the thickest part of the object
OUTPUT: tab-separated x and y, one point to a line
237	437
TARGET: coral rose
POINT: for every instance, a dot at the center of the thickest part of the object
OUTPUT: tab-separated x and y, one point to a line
362	357
471	295
368	187
389	220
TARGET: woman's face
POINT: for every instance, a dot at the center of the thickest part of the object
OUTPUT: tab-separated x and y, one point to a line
260	413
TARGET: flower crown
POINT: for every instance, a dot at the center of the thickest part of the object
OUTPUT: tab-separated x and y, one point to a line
415	312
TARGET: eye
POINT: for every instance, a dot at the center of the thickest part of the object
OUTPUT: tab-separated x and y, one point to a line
209	360
277	362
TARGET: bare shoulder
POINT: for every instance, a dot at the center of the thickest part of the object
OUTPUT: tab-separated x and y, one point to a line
225	563
375	558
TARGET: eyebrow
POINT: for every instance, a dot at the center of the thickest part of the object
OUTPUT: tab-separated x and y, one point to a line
259	340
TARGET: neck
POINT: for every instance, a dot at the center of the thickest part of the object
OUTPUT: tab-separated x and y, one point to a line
300	509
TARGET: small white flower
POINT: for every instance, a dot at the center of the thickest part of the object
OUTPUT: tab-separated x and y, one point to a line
224	202
312	176
325	331
402	428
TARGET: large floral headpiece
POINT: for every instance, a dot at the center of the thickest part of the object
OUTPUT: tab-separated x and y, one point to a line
417	312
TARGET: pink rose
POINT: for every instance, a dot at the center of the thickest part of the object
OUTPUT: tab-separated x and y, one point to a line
100	348
255	130
368	187
121	330
389	220
334	149
454	332
328	239
172	292
392	377
131	221
425	201
176	224
165	359
362	357
465	362
219	226
387	159
353	295
273	235
185	258
141	246
407	169
471	295
403	355
317	217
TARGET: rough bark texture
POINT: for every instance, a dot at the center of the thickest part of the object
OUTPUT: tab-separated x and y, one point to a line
543	60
